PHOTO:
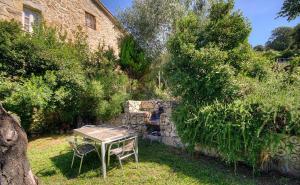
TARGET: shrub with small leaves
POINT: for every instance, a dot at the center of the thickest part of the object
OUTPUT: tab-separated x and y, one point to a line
50	82
231	98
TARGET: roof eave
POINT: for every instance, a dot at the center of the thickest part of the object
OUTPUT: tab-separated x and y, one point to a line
110	16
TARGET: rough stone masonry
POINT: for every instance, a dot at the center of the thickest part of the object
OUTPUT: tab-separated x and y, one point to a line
67	16
137	114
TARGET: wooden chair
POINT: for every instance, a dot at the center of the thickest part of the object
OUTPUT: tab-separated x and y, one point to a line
81	149
123	149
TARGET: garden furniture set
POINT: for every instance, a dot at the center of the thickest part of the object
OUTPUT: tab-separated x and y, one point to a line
113	141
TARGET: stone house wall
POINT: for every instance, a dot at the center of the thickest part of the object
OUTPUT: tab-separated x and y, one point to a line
67	15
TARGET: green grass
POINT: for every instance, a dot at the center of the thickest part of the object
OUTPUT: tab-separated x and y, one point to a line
50	159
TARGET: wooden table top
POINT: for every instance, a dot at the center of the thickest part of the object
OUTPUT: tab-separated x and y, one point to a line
104	133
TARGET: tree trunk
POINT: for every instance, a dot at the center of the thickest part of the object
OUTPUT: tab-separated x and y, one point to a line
14	165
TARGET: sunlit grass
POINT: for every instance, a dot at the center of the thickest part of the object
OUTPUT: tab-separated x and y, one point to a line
51	157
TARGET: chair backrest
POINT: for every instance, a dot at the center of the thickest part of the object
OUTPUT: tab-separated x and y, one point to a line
128	144
73	143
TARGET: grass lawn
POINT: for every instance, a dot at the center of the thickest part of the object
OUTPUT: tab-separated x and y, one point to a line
51	157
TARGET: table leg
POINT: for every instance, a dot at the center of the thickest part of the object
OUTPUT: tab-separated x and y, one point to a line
103	152
136	149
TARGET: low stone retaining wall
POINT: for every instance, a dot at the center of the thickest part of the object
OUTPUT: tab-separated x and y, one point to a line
286	159
137	114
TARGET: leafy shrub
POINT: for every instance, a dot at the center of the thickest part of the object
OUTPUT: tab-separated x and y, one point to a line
50	82
107	87
133	59
230	97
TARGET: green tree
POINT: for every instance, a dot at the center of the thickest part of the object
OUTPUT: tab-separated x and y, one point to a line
132	58
151	21
290	9
259	48
281	39
229	97
226	29
204	58
296	38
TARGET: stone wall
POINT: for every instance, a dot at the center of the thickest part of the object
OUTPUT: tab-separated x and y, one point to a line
168	131
286	159
138	113
67	15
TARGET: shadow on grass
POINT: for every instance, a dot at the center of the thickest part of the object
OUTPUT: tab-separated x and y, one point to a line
204	170
91	163
46	173
181	163
207	170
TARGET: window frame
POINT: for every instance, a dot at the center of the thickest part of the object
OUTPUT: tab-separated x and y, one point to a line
90	21
30	17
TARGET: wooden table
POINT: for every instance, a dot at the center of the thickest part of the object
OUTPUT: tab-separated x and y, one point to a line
105	135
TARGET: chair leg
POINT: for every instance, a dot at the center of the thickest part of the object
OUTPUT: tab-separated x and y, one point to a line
98	153
73	160
80	164
108	159
136	157
96	148
120	162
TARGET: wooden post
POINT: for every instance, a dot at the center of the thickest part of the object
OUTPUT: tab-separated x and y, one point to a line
159	80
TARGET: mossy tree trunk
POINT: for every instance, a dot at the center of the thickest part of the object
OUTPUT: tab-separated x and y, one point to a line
14	165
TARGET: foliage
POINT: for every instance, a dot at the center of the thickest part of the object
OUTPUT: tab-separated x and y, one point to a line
200	54
226	29
33	98
151	21
259	48
132	58
231	98
272	55
290	9
286	41
114	84
296	38
50	83
281	39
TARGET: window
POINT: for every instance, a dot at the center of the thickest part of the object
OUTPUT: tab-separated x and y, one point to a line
30	18
90	20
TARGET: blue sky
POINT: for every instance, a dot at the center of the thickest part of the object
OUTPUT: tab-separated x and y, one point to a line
260	13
